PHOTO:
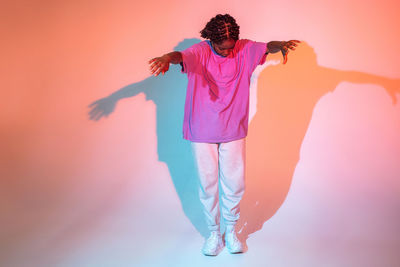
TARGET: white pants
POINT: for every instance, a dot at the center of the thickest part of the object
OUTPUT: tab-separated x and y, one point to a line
225	161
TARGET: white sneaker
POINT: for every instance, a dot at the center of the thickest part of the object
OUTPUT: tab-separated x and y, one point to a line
233	244
213	245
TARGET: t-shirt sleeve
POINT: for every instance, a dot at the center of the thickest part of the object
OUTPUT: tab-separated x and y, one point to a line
256	52
190	58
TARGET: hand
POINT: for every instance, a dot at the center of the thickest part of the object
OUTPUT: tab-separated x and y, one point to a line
159	65
286	46
101	108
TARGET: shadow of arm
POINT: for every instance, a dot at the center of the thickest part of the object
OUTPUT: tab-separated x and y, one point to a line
105	106
392	86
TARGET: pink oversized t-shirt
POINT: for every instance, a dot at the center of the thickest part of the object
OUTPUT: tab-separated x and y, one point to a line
217	97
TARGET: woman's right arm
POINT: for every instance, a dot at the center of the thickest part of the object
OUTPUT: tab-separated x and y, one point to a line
161	64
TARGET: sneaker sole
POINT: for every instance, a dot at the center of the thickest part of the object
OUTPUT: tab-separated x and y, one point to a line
213	254
235	251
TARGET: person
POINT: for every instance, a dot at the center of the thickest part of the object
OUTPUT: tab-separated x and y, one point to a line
216	117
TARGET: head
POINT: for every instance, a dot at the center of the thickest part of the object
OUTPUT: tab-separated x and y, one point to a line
223	32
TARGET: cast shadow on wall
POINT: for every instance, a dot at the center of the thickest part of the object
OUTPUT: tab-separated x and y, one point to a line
286	97
168	93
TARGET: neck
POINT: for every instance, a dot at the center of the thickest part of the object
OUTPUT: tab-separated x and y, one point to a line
212	44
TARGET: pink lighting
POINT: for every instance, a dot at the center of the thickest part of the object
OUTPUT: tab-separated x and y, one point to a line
323	150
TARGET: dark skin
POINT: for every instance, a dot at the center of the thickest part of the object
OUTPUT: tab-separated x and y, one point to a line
225	48
161	64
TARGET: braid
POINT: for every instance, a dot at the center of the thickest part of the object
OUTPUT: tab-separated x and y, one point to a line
220	28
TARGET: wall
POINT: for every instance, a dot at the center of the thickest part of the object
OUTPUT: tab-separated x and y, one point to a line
94	171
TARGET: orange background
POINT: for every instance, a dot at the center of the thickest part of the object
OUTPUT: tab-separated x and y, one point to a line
323	150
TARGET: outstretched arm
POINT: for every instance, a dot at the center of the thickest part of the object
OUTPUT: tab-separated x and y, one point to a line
392	86
282	46
161	64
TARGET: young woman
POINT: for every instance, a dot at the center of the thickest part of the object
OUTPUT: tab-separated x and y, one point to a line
216	117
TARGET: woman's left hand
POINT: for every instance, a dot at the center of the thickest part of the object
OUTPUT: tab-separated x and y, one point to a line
286	47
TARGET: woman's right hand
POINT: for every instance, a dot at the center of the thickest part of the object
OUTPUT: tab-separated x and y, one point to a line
159	65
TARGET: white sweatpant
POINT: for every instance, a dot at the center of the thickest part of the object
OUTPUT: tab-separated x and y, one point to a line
225	161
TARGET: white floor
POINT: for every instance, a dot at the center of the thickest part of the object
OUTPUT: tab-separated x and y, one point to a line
149	232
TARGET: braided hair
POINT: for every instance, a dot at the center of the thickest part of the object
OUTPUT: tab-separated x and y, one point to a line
221	28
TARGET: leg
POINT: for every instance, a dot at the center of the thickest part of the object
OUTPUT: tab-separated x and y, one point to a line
231	173
206	157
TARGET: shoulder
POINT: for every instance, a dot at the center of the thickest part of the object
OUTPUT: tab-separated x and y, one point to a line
243	44
244	41
251	46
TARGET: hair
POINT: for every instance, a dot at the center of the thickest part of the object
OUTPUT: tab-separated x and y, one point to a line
221	28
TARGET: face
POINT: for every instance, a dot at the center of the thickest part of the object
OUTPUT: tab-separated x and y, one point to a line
225	48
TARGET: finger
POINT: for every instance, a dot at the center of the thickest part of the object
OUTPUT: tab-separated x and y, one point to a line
154	60
97	116
155	67
93	112
285	57
94	103
151	67
158	69
292	43
153	70
154	64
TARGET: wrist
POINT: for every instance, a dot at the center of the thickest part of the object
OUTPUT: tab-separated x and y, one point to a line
167	58
274	46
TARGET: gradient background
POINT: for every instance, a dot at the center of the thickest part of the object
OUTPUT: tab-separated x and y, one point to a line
119	188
